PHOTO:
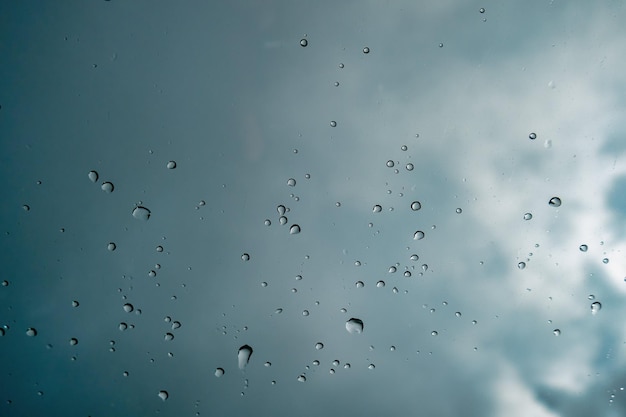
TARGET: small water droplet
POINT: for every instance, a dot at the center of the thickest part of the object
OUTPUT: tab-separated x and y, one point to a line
111	247
219	372
152	273
282	220
596	306
557	332
416	205
336	84
354	326
75	303
171	165
555	202
319	346
366	50
159	248
482	10
407	274
377	208
73	341
333	123
168	337
294	229
163	395
409	167
176	325
122	326
26	207
528	216
380	284
341	65
31	332
93	176
419	235
583	248
304	43
414	257
245	257
128	307
359	284
458	314
371	366
305	313
521	265
291	182
434	333
107	187
459	210
392	269
141	213
301	378
404	148
390	163
267	222
605	260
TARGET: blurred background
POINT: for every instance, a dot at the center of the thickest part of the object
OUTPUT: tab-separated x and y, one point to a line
313	208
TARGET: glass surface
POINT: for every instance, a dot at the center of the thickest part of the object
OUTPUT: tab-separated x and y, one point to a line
313	208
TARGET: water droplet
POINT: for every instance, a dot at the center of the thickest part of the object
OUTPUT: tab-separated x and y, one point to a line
521	265
371	366
168	337
532	136
267	222
278	311
416	205
245	257
359	284
303	42
111	247
159	248
528	216
301	378
93	176
219	372
31	332
291	182
282	220
122	326
243	356
281	210
333	123
163	395
407	274
366	50
294	229
419	235
459	210
482	10
380	284
458	314
409	167
605	260
319	345
107	187
596	306
171	165
176	325
75	303
305	313
392	269
73	341
414	257
390	163
404	148
354	326
141	213
264	284
128	307
377	208
583	248
591	297
336	84
434	333
26	207
152	274
555	202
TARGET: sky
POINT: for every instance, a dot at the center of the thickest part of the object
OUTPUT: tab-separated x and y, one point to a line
210	122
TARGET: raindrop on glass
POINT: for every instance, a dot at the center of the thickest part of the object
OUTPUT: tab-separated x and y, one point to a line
128	307
26	207
434	333
583	248
557	332
303	42
482	10
176	325
333	123
459	210
301	378
75	303
377	208
122	326
107	187
359	284
354	326
267	222
533	136
141	213
390	163
528	216
245	257
416	205
319	345
380	284
281	210
282	220
414	257
163	395
371	366
168	337
605	260
219	372
291	182
305	313
243	356
521	265
294	229
111	247
596	306
555	202
31	332
419	235
366	50
93	176
392	269
409	167
73	341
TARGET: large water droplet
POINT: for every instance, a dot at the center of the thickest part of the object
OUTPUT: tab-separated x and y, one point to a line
416	205
141	213
291	182
354	326
93	176
359	284
419	235
107	187
390	163
171	165
301	378
377	208
243	356
596	306
163	395
128	307
31	332
521	265
294	229
555	202
282	220
219	372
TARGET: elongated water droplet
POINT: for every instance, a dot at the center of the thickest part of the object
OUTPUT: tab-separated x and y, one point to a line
392	269
294	229
354	326
555	202
281	210
141	213
243	356
93	176
596	306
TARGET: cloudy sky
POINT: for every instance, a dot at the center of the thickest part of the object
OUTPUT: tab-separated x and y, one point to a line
156	157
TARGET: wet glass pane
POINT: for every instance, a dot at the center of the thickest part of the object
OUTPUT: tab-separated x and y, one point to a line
312	208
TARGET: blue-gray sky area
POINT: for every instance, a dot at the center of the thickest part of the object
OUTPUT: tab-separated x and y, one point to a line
416	145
